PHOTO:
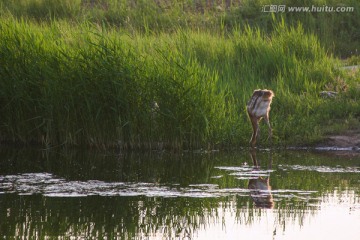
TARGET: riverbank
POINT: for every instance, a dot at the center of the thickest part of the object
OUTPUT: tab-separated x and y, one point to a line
346	144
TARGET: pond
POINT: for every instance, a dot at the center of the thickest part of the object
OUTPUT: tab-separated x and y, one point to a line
263	194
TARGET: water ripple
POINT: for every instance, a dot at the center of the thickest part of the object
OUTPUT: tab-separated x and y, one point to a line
51	186
323	169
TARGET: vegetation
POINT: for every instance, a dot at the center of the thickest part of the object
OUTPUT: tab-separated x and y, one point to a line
338	30
136	74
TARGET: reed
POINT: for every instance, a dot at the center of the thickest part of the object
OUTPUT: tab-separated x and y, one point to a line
82	85
66	83
338	32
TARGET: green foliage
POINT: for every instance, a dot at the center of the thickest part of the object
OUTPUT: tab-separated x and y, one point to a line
92	84
96	87
338	31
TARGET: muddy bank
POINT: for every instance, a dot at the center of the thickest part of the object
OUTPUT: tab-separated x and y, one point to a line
347	140
347	143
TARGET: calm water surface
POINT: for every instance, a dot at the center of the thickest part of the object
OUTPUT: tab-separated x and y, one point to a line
62	194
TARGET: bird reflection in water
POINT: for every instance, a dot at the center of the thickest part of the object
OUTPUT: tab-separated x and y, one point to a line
260	189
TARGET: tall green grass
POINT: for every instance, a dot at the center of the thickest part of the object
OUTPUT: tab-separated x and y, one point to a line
87	84
293	64
83	85
338	32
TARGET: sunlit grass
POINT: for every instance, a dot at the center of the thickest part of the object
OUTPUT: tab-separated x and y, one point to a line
90	84
338	32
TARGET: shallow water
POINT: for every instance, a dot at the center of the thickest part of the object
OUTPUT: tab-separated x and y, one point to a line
90	194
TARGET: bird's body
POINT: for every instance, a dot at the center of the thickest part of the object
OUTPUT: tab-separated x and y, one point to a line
259	107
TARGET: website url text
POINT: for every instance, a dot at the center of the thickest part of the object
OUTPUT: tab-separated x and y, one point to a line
316	9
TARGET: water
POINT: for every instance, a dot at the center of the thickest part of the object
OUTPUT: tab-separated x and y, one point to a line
63	194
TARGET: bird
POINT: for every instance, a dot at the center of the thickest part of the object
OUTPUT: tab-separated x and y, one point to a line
258	107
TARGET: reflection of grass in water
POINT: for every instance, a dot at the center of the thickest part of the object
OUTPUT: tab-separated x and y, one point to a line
127	217
285	213
134	217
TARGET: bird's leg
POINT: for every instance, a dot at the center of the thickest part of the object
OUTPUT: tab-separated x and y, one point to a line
266	118
255	125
